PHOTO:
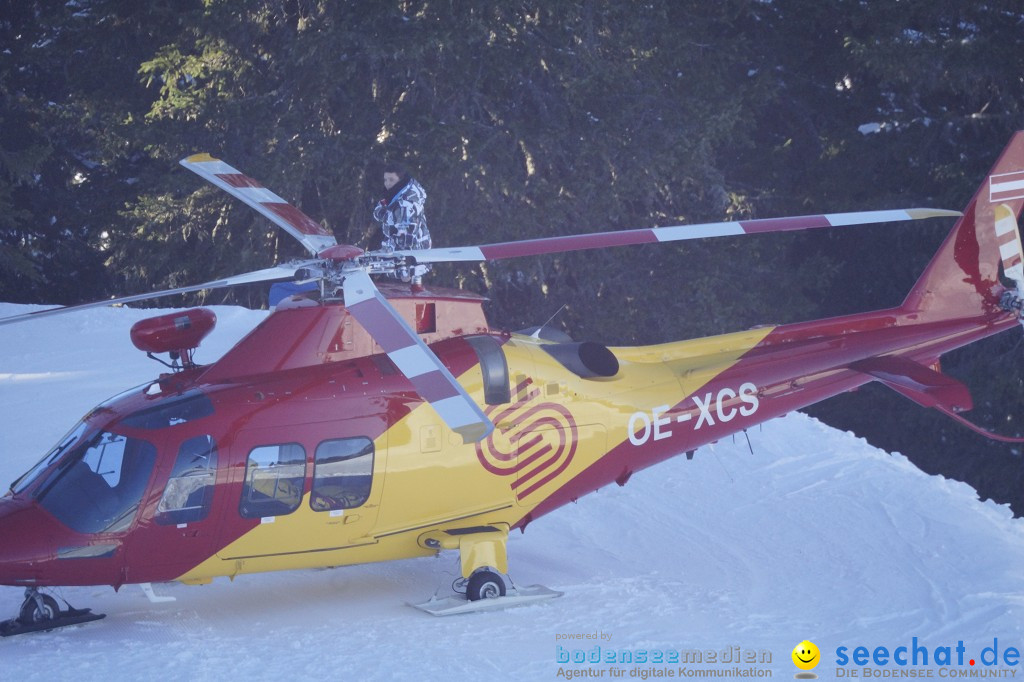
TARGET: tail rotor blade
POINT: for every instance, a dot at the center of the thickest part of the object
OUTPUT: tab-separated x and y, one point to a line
1010	250
414	359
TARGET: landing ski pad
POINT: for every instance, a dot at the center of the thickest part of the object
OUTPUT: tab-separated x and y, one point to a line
9	628
450	606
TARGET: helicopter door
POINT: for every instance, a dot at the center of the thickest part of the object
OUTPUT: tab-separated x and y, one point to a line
320	494
178	533
343	494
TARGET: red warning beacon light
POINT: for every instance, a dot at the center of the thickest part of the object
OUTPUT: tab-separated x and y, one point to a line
177	333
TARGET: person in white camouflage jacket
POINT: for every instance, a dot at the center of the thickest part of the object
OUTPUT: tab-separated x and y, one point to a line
401	212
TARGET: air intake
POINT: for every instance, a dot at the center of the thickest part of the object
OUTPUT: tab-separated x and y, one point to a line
585	359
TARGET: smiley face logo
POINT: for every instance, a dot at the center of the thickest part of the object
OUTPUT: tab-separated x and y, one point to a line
806	655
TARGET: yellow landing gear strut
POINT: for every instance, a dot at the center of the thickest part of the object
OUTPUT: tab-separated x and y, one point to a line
482	554
484	559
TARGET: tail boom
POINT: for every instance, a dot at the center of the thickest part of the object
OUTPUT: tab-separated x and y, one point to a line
957	301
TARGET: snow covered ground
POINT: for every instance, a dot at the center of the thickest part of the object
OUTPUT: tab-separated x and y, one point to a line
815	536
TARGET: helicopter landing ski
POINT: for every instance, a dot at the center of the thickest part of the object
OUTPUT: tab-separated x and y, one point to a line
40	612
459	604
66	618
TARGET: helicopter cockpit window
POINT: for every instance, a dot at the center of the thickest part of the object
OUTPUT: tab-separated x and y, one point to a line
97	488
342	474
189	490
494	366
184	408
274	478
66	443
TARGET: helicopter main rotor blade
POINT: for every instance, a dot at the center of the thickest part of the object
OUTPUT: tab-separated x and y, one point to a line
309	232
431	379
276	273
601	240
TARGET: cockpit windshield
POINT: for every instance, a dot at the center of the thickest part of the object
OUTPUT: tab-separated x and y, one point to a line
68	441
97	487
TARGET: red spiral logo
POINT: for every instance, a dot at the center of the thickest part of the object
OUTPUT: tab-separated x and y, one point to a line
539	445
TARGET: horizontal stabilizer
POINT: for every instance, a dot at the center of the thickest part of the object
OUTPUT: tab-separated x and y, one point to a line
923	385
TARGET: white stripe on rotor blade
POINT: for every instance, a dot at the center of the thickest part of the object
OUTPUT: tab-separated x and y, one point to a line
1009	250
464	253
862	217
358	288
1005	226
260	195
318	242
412	361
459	411
1005	221
279	272
679	232
216	167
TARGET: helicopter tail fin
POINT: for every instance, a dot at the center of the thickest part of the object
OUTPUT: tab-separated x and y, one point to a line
963	279
975	280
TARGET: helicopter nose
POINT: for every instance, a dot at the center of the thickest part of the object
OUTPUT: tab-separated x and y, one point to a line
26	542
36	549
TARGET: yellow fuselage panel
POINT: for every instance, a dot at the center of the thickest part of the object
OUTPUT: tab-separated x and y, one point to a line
556	427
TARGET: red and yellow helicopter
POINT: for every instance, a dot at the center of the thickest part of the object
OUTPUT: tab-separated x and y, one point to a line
368	421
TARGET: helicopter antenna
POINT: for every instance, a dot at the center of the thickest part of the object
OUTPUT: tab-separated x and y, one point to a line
536	334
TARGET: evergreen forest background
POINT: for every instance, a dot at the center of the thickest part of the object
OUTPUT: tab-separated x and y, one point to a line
529	119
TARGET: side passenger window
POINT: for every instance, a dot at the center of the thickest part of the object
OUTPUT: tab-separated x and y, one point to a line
189	491
342	474
274	478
